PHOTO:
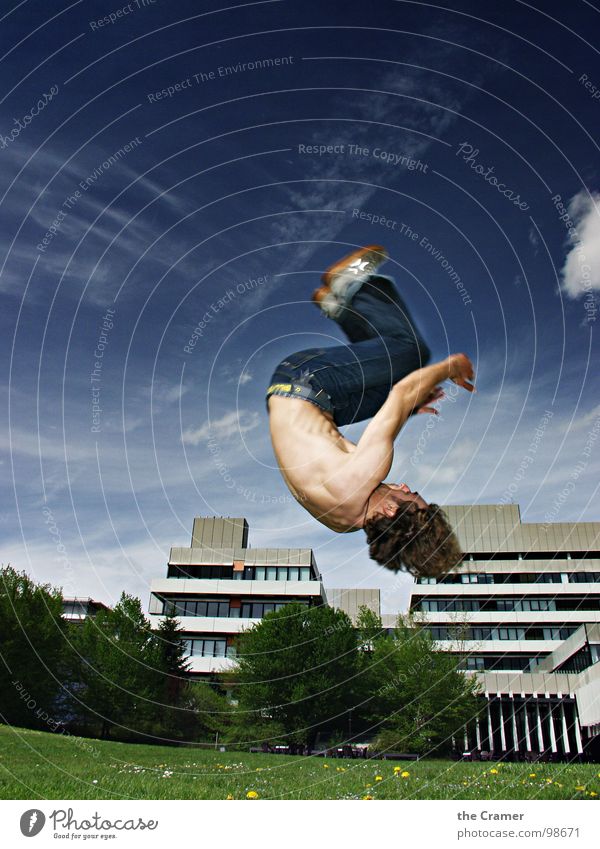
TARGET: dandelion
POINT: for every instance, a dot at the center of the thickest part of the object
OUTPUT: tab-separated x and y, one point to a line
229	796
325	766
367	798
580	788
404	774
532	774
378	778
397	769
493	772
548	781
252	794
593	793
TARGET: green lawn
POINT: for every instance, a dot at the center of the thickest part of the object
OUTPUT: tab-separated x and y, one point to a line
49	766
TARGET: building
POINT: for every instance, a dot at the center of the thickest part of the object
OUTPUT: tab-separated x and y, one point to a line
78	609
523	613
219	586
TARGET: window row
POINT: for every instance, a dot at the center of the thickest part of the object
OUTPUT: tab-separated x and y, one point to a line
258	609
524	605
277	573
516	578
504	662
185	607
206	648
533	632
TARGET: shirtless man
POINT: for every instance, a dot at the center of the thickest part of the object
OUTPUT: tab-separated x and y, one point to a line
382	375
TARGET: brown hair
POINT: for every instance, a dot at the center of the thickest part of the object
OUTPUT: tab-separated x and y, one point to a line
420	541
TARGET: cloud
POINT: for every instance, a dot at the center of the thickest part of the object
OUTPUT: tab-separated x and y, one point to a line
581	271
231	424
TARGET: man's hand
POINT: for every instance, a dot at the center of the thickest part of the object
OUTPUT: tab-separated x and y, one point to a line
461	371
436	395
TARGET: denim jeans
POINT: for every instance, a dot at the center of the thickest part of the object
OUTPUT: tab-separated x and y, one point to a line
352	381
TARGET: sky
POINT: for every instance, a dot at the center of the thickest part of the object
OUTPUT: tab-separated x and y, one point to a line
176	176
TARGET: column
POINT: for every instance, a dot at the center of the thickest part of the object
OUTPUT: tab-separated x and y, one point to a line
540	730
513	718
552	731
477	733
502	734
490	729
526	717
565	730
466	740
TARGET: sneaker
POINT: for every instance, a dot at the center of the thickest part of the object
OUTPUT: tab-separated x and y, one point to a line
358	265
327	301
352	270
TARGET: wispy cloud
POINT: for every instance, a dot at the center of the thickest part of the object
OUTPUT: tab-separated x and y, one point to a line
235	423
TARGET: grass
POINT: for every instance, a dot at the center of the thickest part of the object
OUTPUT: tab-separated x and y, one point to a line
35	764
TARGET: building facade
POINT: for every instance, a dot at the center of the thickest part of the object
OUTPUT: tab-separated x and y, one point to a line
523	613
78	609
219	586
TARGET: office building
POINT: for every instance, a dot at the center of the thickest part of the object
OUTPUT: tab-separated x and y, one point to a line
523	613
218	586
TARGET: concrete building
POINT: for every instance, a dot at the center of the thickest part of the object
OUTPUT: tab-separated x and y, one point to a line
218	586
78	609
523	613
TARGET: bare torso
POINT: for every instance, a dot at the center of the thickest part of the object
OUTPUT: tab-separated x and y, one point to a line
316	463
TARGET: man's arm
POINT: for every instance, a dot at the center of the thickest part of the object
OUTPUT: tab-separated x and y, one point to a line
415	392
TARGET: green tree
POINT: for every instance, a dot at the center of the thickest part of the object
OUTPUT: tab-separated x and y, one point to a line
298	668
116	674
32	644
170	686
416	697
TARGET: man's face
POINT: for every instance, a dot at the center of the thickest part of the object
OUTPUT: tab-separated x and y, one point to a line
401	494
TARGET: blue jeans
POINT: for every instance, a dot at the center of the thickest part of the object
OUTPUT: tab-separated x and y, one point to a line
353	381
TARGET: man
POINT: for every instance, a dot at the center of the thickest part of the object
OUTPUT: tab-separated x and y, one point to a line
382	374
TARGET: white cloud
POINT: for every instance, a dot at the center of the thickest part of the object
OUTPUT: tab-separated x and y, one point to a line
581	271
231	424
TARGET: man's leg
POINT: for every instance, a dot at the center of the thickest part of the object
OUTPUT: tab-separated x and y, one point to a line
386	346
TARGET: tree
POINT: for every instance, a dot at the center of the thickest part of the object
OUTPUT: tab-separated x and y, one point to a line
32	643
298	667
417	698
117	670
170	680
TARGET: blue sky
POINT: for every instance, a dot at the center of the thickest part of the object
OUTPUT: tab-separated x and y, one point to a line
168	166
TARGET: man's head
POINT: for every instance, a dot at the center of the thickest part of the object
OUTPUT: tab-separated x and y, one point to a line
404	532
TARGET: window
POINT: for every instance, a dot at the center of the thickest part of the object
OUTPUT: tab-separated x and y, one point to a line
258	609
205	647
194	607
293	573
584	577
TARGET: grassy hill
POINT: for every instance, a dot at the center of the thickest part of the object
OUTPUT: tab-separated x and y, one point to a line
35	764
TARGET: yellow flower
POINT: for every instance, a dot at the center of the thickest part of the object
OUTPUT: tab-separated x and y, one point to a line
229	796
259	768
252	794
466	784
548	781
593	793
365	798
397	768
532	774
494	772
405	774
325	766
378	778
580	787
368	785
